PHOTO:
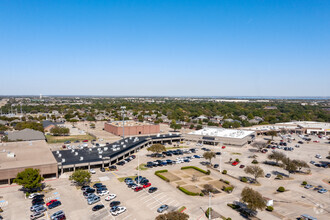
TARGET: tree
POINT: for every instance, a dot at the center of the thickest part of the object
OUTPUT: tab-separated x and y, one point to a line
289	165
27	124
174	215
199	127
208	188
277	156
272	133
259	145
30	179
253	199
209	155
300	164
81	177
175	126
256	171
59	131
191	126
156	148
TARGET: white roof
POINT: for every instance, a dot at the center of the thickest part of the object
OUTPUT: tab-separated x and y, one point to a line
222	132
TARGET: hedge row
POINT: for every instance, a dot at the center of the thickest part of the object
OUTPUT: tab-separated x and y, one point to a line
157	173
196	168
187	192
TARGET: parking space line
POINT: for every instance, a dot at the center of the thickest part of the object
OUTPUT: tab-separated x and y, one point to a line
152	203
170	202
126	217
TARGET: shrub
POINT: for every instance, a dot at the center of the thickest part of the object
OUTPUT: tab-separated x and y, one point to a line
208	212
201	194
224	172
279	176
281	189
187	192
228	189
228	218
304	183
237	160
197	168
254	162
270	208
244	179
226	181
233	206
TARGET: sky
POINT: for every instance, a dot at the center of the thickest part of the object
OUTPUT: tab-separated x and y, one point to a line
165	47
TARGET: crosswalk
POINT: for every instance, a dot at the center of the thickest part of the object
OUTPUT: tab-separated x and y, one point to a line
155	200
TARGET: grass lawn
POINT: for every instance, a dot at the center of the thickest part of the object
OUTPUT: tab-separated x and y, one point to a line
121	179
61	139
142	166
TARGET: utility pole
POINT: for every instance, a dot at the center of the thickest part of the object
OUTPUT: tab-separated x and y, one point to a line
123	115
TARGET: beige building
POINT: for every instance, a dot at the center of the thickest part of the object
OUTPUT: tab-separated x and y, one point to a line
17	156
131	128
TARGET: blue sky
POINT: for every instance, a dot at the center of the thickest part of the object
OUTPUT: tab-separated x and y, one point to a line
156	47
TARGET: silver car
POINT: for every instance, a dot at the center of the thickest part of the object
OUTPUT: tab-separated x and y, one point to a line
34	207
36	215
93	200
56	214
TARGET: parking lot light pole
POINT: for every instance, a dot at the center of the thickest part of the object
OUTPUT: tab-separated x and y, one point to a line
209	205
138	169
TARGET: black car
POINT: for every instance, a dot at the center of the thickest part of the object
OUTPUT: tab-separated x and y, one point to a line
300	142
54	204
38	197
152	189
113	167
90	190
97	185
114	203
216	165
121	163
84	187
218	153
37	201
97	207
138	177
102	169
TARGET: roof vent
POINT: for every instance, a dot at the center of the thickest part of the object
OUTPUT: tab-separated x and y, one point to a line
100	156
124	146
57	152
81	158
100	152
76	153
60	155
72	151
106	148
90	149
63	160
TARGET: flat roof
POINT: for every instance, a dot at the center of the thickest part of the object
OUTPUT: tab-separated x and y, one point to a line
110	150
27	154
128	123
292	125
222	132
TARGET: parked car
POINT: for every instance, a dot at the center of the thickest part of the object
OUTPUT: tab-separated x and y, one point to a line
146	185
36	215
162	208
34	207
40	209
57	214
85	141
268	175
96	185
137	189
223	147
234	163
54	204
92	171
61	217
110	197
113	167
216	165
97	207
152	189
51	202
312	162
308	186
32	195
103	192
114	203
118	210
322	190
93	200
242	166
38	202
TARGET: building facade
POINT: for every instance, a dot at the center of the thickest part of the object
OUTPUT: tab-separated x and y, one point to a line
131	128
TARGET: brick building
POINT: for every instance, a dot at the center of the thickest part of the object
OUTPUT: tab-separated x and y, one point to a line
131	128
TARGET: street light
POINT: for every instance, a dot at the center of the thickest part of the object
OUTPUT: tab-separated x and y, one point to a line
210	206
123	109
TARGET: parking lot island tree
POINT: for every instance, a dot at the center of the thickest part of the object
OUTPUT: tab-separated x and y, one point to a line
174	215
253	199
300	164
259	145
209	155
272	133
289	165
59	131
156	148
80	177
30	179
254	170
277	156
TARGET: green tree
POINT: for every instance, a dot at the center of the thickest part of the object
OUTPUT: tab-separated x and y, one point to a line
173	215
175	126
209	155
272	133
156	148
80	177
253	199
199	127
30	179
277	156
28	124
254	170
59	131
289	165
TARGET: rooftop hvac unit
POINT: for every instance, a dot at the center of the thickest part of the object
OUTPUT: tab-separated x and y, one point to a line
57	152
60	155
81	158
72	151
106	148
118	148
100	152
76	153
63	160
126	140
124	146
100	156
122	143
114	149
90	149
130	138
170	134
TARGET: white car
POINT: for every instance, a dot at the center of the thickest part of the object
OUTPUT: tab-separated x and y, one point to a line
119	210
32	195
103	193
318	156
110	197
92	171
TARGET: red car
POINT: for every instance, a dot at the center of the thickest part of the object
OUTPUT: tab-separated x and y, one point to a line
223	147
85	141
51	202
316	141
137	189
146	185
234	163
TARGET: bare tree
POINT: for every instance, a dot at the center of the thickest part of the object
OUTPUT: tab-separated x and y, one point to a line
209	155
259	145
277	156
253	199
256	171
